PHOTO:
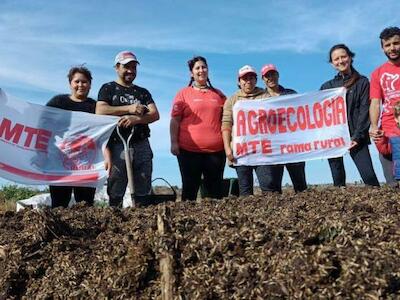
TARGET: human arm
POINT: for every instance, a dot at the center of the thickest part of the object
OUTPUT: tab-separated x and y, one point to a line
226	128
227	138
374	113
107	160
150	116
376	96
103	108
174	134
361	118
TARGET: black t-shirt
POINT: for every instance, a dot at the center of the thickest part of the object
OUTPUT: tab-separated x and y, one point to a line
65	102
117	95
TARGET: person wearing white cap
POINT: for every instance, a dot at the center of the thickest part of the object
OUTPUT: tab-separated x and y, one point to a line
247	80
270	76
136	107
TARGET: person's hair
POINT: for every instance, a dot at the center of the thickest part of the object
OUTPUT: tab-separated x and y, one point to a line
191	63
79	69
354	73
389	32
396	110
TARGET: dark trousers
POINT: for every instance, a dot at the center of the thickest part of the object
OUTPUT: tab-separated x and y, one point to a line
195	164
142	166
61	195
362	159
265	175
297	175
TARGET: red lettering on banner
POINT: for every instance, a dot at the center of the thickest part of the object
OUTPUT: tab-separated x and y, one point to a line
291	111
253	122
272	120
318	115
301	118
310	124
241	149
329	112
253	145
327	115
15	134
329	143
281	120
264	146
295	148
30	133
7	133
341	110
262	121
241	123
42	139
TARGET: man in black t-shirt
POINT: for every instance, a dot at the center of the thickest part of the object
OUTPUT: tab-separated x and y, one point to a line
137	108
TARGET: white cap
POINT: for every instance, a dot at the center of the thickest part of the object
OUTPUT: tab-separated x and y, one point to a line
245	70
125	57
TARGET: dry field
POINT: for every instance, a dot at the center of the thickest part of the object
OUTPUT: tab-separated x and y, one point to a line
325	243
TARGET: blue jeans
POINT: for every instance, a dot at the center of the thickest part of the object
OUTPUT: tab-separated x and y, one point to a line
265	175
387	167
142	167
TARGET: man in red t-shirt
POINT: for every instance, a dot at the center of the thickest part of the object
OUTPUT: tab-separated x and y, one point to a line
385	89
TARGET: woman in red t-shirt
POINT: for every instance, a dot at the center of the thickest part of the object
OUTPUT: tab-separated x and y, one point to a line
195	130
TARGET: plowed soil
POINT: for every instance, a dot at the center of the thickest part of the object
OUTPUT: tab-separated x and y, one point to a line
320	244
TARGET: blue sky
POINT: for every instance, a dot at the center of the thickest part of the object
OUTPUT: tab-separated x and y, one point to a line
41	40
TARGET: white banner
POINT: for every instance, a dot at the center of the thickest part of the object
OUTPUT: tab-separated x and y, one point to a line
291	128
50	146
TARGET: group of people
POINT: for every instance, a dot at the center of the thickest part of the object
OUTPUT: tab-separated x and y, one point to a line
202	120
136	108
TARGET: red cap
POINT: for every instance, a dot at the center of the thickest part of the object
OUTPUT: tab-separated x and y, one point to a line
267	68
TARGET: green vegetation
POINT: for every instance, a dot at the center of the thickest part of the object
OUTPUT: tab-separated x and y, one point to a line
11	193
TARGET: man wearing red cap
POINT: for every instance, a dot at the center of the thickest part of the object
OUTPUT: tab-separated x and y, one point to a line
270	75
137	109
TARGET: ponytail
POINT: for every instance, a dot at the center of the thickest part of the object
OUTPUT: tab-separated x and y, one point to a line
353	78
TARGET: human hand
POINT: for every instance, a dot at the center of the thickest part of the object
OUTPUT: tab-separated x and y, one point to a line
136	109
376	134
229	155
353	144
108	166
128	121
107	161
175	148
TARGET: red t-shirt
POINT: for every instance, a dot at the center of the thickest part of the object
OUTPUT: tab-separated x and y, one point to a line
201	114
385	85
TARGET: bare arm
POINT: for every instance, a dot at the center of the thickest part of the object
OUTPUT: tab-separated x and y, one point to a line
149	117
227	137
174	133
374	113
103	108
107	160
